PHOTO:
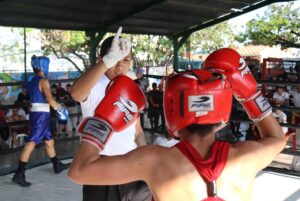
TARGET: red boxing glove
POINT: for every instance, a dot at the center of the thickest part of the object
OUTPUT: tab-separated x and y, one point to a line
117	111
230	63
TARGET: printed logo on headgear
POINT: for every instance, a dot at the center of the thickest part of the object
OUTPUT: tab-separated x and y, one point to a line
201	103
126	106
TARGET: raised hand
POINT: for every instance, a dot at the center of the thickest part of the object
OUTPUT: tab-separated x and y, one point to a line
120	48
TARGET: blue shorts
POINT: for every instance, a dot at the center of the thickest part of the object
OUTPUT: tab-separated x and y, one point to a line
39	127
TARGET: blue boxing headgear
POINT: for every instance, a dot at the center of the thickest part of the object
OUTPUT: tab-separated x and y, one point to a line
41	63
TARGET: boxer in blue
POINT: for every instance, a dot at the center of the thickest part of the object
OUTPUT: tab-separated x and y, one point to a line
41	100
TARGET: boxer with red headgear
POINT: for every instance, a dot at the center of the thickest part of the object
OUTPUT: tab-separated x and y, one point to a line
197	104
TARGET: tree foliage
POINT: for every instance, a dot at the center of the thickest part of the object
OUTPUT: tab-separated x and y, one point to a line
12	49
148	50
279	25
66	45
212	38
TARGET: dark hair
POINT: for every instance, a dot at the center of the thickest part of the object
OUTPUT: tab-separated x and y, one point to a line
137	81
17	104
106	45
201	129
53	86
280	86
35	70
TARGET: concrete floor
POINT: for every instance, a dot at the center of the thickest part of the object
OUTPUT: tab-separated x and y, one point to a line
47	186
65	148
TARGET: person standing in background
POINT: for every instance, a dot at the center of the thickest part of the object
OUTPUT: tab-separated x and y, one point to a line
41	100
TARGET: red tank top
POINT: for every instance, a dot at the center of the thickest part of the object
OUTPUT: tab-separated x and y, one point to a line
209	169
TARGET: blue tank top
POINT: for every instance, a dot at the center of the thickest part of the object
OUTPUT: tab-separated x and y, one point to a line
33	91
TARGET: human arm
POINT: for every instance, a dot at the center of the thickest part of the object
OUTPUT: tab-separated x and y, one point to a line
117	111
120	48
9	118
286	98
63	113
256	154
81	88
45	88
270	144
91	169
139	134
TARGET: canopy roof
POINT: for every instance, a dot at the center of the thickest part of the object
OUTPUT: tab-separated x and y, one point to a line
158	17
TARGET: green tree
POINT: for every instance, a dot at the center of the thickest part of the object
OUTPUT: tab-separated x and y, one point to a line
279	25
149	50
152	50
212	38
66	45
13	50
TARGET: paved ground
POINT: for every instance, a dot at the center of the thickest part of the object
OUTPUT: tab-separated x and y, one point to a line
47	186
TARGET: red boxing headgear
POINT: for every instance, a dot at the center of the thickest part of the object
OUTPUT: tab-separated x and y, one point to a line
196	97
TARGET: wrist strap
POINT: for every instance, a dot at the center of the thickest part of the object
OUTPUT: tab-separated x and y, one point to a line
95	130
257	107
58	107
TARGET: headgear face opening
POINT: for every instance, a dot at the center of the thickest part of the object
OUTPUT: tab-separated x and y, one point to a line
41	63
196	97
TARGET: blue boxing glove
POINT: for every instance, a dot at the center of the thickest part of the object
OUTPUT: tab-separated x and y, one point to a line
62	113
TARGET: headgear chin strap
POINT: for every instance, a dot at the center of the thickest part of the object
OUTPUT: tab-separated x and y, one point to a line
41	63
196	97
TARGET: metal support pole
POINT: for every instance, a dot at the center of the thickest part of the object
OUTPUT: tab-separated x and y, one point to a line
175	52
94	40
25	55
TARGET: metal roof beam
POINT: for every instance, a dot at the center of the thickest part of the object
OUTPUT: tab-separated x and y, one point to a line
227	17
195	5
38	8
41	17
47	24
146	30
151	24
125	16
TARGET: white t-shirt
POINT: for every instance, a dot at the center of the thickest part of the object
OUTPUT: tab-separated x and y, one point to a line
163	141
296	98
120	142
281	97
21	112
